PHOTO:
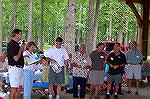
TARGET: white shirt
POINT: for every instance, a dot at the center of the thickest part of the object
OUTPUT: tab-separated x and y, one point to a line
59	55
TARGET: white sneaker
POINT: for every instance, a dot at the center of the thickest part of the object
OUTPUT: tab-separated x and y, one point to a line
50	97
57	97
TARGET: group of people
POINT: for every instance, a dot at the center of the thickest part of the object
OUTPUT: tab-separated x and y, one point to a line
93	73
20	67
89	69
23	62
128	63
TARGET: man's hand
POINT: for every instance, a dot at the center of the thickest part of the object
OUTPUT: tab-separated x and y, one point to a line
5	69
87	66
122	65
116	66
22	47
45	62
111	65
2	57
73	65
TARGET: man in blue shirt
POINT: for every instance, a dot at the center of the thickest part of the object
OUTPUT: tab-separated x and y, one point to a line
134	60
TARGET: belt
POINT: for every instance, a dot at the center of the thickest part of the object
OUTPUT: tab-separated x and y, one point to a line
135	64
19	66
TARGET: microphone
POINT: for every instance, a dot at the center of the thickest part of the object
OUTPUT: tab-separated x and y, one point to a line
23	42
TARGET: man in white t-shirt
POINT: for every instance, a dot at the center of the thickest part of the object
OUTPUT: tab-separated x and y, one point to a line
58	57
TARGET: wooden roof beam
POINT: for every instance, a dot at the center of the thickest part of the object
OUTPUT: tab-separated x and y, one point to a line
132	1
137	15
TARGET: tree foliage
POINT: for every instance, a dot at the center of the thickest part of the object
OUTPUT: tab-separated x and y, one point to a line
54	18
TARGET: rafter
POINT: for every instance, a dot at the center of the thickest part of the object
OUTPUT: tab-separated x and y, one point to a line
133	1
133	8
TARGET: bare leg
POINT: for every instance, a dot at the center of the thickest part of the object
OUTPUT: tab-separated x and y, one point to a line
18	92
1	84
116	88
12	93
137	86
50	89
91	90
108	87
129	85
96	89
58	89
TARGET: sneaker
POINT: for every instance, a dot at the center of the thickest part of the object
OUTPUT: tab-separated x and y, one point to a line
43	97
91	97
96	97
57	97
128	92
50	97
136	93
111	92
115	96
107	96
120	93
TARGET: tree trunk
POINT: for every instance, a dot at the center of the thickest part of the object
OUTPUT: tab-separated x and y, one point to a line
148	53
120	35
92	25
137	33
90	29
1	35
78	36
97	11
14	15
36	38
110	28
29	38
126	35
42	25
133	37
70	27
53	34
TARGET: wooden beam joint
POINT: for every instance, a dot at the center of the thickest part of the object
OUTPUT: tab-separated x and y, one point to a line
133	8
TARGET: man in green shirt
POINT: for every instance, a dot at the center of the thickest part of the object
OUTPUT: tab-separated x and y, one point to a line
96	76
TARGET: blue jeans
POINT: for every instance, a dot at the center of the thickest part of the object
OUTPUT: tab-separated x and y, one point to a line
70	82
82	82
28	83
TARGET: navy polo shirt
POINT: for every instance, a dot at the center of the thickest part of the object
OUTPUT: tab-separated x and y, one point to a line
116	60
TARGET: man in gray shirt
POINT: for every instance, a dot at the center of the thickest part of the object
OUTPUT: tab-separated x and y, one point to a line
134	60
96	76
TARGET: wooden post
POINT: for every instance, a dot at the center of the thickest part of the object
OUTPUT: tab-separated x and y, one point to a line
1	36
145	26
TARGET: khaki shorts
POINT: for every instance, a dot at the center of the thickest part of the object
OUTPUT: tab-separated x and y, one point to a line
133	71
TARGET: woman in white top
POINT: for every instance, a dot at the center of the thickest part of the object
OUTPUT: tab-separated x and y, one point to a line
31	62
